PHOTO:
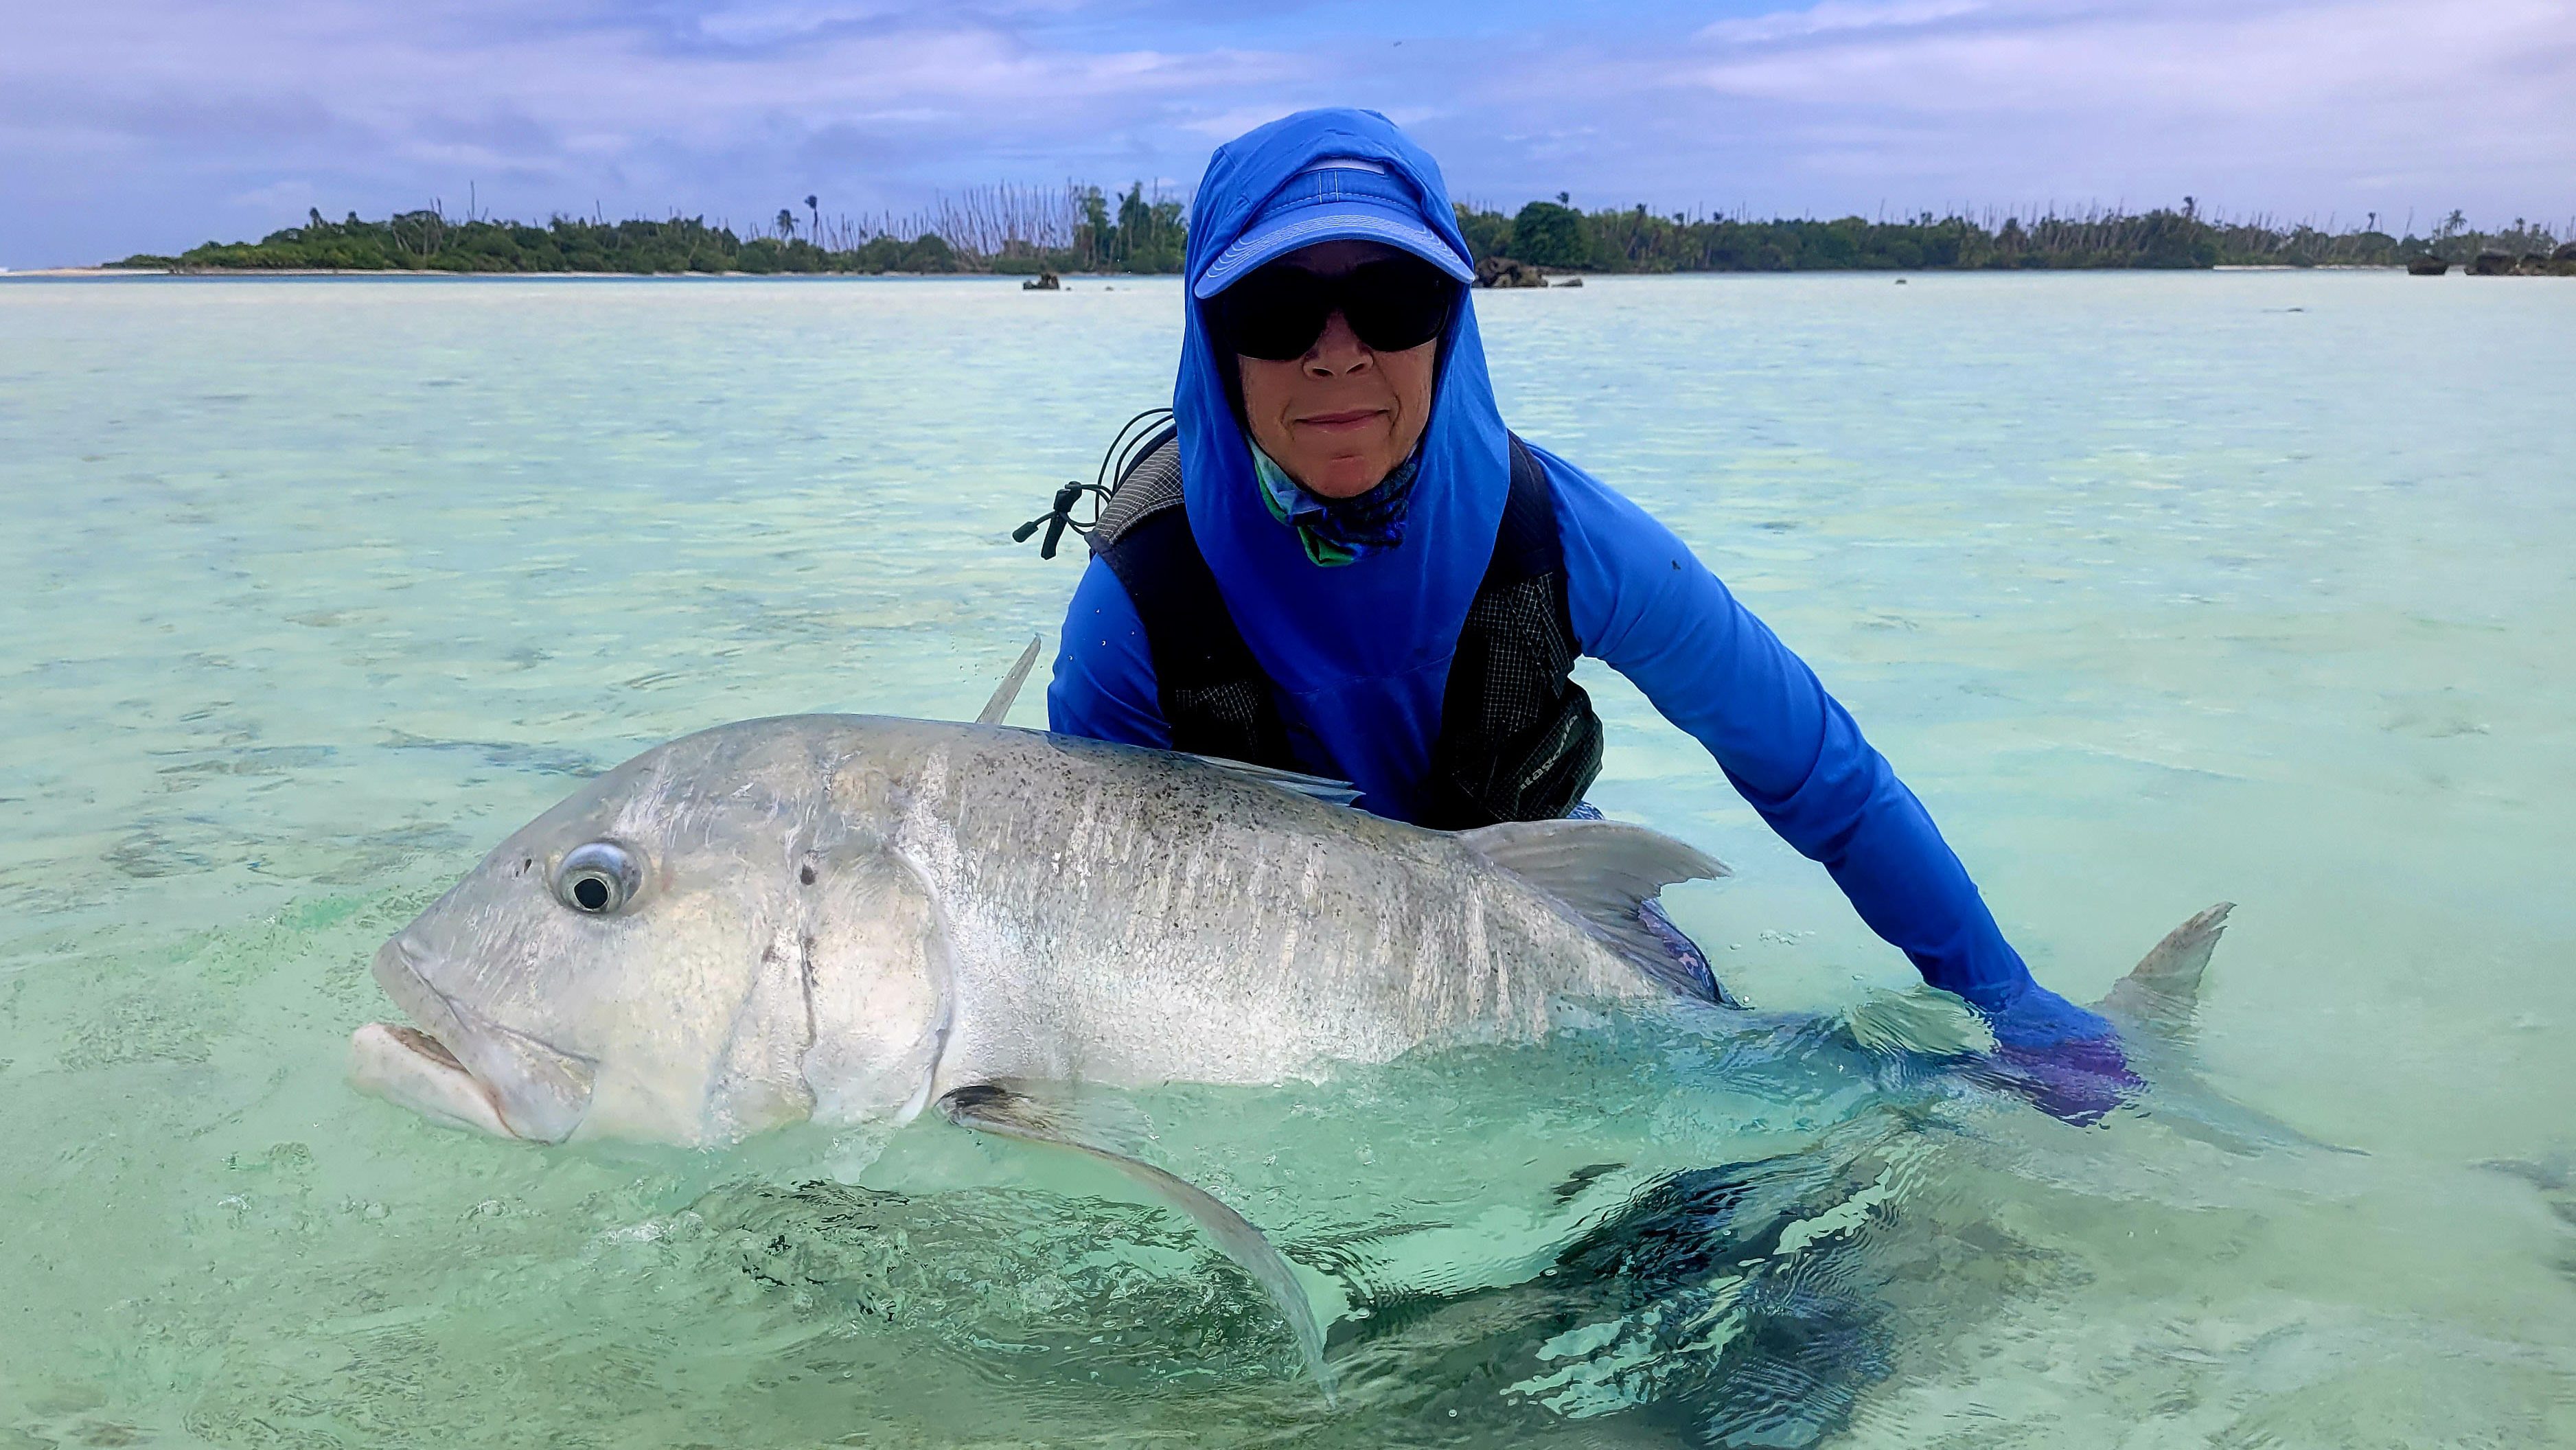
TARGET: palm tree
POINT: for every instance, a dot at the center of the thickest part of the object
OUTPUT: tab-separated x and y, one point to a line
816	208
786	224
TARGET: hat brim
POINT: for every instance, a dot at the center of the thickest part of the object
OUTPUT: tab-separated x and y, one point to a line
1346	220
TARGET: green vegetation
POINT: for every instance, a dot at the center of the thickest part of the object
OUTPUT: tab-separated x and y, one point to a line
1553	234
1083	229
994	229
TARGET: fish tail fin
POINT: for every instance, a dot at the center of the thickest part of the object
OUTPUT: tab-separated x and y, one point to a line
2162	992
2155	1006
1604	871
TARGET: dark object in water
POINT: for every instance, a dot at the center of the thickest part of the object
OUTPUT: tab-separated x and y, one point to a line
1504	272
1043	282
2427	265
1629	1312
2492	263
1567	282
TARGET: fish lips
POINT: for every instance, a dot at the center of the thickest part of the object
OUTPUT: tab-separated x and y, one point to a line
461	1066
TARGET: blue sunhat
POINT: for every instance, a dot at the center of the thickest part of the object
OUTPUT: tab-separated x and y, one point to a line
1340	198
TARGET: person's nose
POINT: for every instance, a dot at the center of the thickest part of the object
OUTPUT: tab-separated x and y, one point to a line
1338	351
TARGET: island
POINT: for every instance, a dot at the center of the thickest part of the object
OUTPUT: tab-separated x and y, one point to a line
1038	234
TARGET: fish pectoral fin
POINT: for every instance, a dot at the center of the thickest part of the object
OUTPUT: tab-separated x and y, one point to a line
1007	1112
2162	992
1009	690
1924	1022
1314	787
1604	871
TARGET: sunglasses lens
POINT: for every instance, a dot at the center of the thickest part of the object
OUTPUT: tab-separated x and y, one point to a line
1398	304
1277	313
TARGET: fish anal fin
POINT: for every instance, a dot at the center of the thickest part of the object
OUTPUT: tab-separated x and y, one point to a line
1005	1110
2163	990
1603	871
1009	690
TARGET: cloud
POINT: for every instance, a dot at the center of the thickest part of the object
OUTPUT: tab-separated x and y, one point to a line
153	124
2297	107
1220	126
1839	15
558	104
762	24
2327	61
287	195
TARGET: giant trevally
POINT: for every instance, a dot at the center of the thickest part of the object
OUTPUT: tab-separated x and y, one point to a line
851	919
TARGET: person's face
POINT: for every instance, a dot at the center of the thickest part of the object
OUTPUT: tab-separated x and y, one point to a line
1340	418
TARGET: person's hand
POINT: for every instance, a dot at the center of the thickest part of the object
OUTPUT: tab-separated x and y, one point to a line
2064	1059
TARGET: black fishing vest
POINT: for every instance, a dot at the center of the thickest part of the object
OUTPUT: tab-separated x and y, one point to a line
1518	739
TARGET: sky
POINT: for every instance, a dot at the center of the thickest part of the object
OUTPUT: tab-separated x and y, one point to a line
152	125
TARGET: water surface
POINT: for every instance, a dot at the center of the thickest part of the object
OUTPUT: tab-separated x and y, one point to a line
2159	590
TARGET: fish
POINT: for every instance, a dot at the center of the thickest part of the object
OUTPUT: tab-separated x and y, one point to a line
854	920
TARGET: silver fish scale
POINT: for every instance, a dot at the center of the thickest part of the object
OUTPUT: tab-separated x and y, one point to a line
1130	916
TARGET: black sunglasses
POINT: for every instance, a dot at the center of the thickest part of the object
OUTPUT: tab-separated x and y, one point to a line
1393	304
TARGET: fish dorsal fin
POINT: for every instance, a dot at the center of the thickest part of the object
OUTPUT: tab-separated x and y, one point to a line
1006	1110
2162	991
1316	787
1602	871
1009	690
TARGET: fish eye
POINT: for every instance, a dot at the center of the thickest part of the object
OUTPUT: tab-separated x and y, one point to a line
597	878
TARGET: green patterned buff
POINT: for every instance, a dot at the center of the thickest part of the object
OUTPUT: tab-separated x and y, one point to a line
1337	531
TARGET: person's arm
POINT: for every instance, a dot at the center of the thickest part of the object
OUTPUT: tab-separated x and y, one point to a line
1103	686
1645	605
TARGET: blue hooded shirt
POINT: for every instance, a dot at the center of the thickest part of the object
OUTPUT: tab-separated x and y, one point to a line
1358	654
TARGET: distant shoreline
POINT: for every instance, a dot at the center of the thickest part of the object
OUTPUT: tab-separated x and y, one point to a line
426	275
1029	235
237	274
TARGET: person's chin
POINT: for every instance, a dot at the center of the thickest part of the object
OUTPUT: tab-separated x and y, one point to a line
1346	477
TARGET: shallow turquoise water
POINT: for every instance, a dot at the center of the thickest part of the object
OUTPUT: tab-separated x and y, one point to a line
2158	589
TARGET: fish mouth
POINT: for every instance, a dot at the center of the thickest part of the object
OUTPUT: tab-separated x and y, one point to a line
461	1068
409	1068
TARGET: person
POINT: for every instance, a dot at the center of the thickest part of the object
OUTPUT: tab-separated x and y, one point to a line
1354	570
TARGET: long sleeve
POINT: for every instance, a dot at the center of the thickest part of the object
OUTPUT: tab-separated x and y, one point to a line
1103	687
1642	603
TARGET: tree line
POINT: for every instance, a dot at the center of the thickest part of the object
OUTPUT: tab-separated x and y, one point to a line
989	229
1555	234
1080	228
